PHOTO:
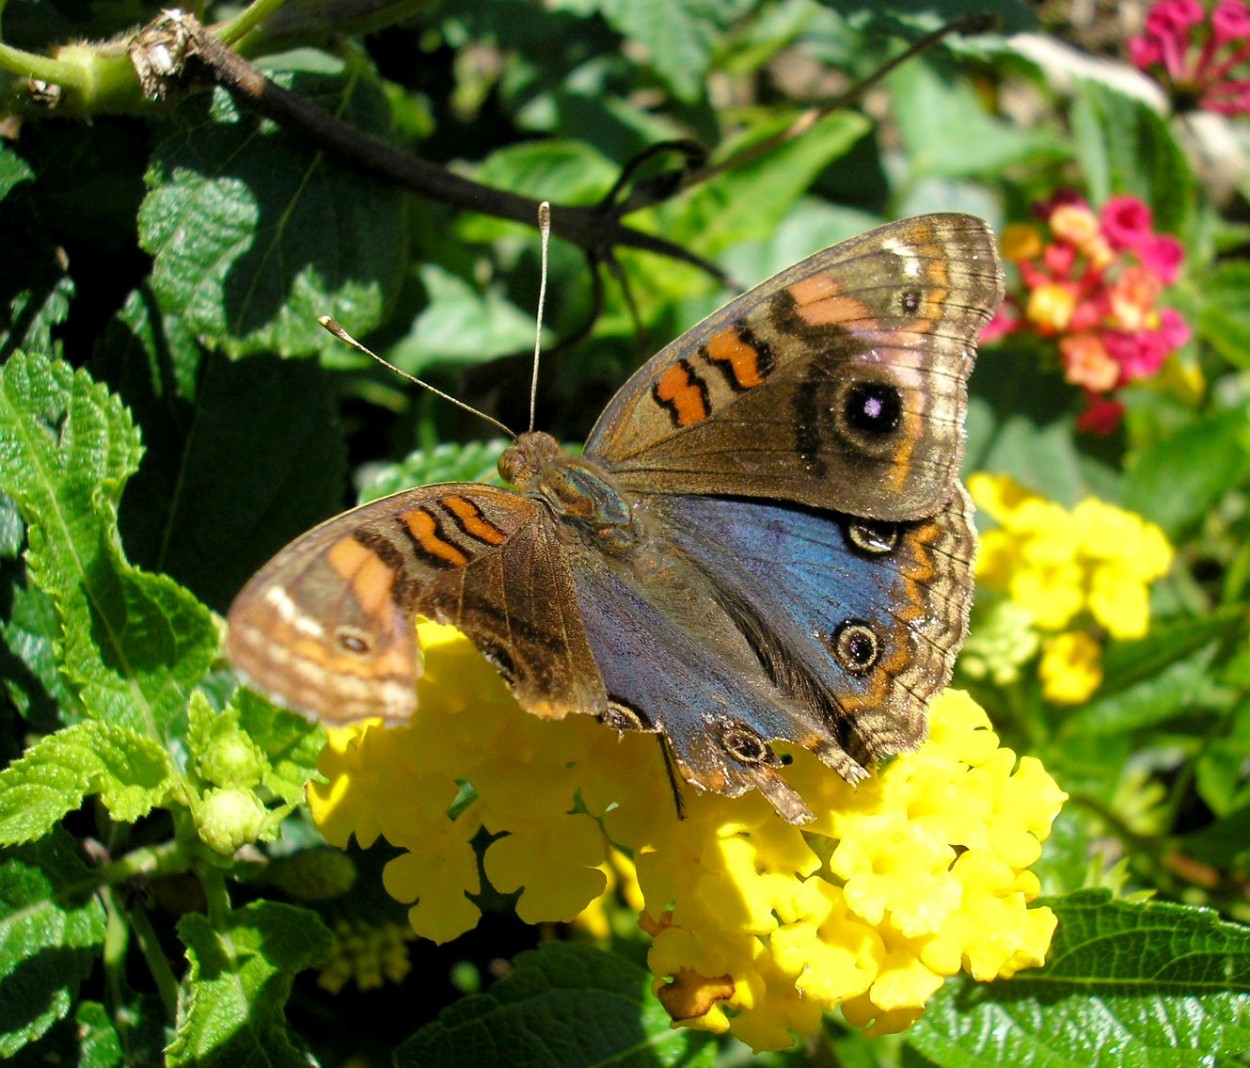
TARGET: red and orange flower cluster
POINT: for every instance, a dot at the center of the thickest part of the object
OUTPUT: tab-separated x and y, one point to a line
1198	58
1095	286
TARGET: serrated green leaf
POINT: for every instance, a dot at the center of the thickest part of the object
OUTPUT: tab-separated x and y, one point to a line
232	1001
129	772
256	233
1224	310
51	932
1125	147
35	286
30	675
562	1004
144	353
1146	984
463	323
133	644
1177	481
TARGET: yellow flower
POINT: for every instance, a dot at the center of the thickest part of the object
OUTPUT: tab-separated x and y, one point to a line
1071	668
1057	564
757	927
1050	308
1020	241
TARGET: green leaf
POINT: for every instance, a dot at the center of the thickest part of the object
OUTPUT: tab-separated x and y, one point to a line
28	664
231	1006
563	1004
1125	147
289	742
948	134
262	460
256	234
133	644
463	323
88	1039
1150	681
1021	423
129	772
1149	983
748	203
564	172
51	932
1224	310
678	37
1177	481
475	461
13	171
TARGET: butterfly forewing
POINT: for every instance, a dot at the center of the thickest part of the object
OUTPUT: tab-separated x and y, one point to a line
840	383
326	627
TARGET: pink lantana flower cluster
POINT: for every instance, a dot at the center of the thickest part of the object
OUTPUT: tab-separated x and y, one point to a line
1198	56
1093	282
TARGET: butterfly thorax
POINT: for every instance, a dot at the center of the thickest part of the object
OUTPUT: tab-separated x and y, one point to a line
580	495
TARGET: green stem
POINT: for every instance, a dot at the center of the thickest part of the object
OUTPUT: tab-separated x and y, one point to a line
116	939
162	974
165	859
217	894
32	65
235	29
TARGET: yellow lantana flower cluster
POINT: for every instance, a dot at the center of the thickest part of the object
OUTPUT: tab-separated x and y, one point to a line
1094	560
758	926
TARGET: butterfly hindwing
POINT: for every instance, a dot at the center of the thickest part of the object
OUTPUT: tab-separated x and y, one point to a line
780	623
840	383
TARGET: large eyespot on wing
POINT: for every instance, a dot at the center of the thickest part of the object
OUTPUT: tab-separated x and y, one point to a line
326	627
840	383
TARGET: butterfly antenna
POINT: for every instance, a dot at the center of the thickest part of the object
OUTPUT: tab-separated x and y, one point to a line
330	324
544	230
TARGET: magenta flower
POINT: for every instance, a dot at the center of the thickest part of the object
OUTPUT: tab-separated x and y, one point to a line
1092	283
1203	62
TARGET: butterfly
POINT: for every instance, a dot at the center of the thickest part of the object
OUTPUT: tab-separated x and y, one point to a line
764	540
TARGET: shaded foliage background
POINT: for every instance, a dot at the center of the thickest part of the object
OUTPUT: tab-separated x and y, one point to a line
180	252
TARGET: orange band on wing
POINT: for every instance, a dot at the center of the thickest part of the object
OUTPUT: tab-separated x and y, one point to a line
370	578
683	393
819	301
472	522
425	533
742	359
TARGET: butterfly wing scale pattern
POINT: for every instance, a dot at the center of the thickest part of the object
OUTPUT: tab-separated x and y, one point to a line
840	383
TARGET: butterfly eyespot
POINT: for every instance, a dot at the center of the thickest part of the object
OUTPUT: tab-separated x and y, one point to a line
856	647
910	300
745	746
353	640
873	407
872	538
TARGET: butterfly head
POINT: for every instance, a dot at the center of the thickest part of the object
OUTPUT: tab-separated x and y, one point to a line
526	457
